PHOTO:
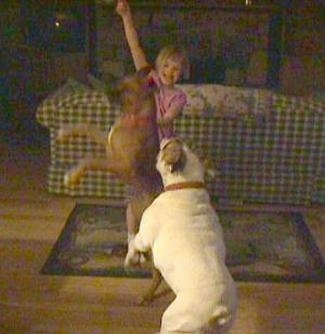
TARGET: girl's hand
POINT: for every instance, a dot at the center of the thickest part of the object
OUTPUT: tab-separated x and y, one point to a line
122	7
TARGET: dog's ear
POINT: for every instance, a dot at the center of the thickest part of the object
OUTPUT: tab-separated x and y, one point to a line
114	94
127	83
137	83
144	71
128	89
150	85
174	156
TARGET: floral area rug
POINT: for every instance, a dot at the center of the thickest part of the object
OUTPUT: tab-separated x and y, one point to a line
261	246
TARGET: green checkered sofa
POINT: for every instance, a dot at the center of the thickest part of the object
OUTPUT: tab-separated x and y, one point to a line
265	147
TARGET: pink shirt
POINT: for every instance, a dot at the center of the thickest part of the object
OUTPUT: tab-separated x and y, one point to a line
167	98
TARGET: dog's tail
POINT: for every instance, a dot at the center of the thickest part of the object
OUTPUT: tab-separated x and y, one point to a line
84	130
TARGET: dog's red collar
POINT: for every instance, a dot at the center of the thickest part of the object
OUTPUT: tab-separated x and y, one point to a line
136	120
185	185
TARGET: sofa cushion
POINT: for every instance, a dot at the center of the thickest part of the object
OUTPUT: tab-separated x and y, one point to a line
220	101
309	105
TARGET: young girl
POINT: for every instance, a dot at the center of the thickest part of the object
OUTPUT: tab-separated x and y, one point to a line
170	64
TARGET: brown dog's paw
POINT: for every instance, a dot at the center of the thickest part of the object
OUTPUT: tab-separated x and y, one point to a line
145	300
63	133
71	178
68	182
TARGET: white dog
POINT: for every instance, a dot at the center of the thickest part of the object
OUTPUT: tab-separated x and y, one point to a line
183	232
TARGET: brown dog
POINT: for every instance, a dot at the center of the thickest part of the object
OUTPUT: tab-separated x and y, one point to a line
132	146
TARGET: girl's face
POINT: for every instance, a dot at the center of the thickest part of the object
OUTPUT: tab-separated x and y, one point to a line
170	71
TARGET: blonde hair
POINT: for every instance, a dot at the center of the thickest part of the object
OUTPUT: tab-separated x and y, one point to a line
175	53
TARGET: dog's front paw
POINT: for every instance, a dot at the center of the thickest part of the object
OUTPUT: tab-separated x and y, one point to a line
63	133
132	259
145	300
71	178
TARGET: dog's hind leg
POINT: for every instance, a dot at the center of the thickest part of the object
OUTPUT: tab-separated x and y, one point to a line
85	130
148	297
73	176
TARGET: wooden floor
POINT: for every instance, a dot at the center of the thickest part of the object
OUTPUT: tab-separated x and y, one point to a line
30	222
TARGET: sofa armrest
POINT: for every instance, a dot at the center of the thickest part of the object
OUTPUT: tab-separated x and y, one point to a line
76	107
46	109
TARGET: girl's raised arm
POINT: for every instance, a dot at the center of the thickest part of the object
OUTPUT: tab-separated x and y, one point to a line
138	55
